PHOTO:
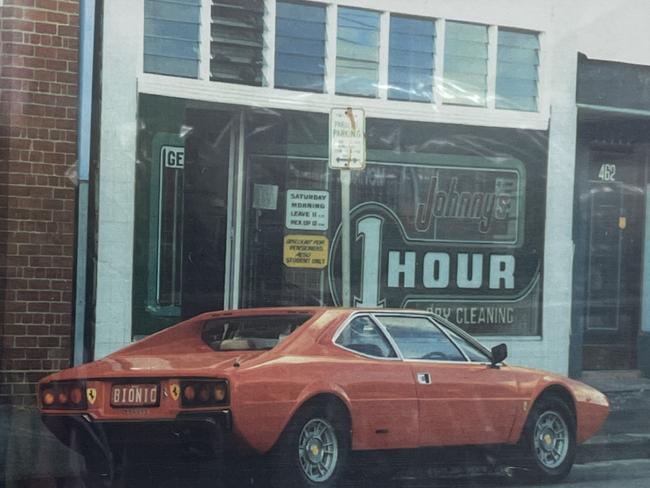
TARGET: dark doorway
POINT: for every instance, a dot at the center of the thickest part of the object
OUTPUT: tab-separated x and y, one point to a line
205	217
616	202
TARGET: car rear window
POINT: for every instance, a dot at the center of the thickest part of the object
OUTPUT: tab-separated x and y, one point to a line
250	333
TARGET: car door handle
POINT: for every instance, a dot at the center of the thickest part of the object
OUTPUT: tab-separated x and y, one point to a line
424	378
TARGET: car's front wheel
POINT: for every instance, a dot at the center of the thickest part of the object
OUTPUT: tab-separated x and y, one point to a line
549	441
313	449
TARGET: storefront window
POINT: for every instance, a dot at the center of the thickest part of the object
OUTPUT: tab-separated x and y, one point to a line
452	232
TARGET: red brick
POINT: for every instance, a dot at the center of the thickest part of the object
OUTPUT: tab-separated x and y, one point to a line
15	48
47	4
22	73
44	28
17	25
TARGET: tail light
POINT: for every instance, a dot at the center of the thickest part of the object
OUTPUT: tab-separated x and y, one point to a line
203	393
63	395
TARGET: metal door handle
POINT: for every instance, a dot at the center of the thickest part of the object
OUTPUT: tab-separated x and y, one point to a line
424	378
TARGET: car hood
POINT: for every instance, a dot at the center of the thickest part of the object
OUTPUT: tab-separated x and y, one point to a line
175	364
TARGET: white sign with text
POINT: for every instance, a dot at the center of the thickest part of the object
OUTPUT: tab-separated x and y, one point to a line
307	209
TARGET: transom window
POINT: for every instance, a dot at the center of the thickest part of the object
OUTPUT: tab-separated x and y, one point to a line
411	58
357	52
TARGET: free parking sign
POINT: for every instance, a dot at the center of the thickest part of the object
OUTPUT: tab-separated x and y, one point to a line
347	138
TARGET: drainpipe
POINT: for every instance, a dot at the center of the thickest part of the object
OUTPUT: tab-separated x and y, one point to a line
86	51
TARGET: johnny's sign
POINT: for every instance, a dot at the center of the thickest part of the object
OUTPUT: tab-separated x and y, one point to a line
454	243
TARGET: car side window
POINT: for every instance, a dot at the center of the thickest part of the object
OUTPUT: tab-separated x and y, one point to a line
363	335
470	350
419	338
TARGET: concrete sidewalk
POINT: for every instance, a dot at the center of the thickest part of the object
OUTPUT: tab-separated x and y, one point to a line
28	451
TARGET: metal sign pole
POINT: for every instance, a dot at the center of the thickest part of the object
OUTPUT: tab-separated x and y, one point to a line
347	153
345	237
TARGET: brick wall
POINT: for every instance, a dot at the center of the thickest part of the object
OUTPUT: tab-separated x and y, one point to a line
38	97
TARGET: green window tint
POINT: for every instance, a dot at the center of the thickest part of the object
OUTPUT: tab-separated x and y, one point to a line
465	71
357	52
171	37
411	58
237	41
300	46
517	70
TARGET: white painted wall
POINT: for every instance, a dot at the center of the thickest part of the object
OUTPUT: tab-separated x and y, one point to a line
121	59
612	30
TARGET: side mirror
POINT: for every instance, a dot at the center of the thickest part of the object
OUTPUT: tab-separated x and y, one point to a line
499	353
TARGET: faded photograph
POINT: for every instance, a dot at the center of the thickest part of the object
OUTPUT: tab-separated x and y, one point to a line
320	243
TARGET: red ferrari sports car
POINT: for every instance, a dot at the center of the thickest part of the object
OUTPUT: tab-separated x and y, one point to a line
304	387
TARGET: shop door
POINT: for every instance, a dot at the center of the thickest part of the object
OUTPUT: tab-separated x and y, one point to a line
614	265
205	210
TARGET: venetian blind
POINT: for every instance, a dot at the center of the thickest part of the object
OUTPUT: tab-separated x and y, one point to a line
517	70
411	58
300	46
465	63
171	37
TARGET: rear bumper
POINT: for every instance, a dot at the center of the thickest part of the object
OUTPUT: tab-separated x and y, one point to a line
202	435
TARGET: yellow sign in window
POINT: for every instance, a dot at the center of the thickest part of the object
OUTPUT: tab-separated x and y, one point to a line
305	251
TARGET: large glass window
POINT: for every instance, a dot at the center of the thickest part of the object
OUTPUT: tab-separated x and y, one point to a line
357	52
466	55
300	46
171	37
237	41
411	58
453	233
419	338
517	70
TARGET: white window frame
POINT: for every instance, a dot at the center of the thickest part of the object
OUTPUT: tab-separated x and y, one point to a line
266	96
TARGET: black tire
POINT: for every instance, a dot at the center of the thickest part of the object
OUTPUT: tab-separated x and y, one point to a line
301	468
548	442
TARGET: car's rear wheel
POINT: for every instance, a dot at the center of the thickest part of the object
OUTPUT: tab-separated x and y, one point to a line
313	449
549	441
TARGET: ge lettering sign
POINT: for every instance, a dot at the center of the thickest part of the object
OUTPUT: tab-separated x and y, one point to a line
173	156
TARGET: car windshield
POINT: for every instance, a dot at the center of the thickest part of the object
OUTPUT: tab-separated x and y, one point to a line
250	333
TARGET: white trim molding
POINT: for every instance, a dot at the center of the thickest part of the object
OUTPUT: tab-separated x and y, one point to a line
265	97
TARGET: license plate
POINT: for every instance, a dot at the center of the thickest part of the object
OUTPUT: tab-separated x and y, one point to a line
134	395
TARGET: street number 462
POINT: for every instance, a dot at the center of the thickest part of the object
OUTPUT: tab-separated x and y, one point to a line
607	172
